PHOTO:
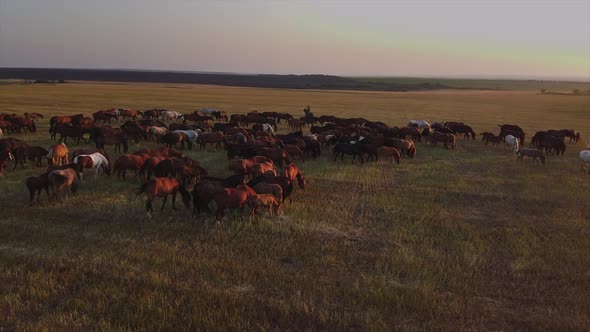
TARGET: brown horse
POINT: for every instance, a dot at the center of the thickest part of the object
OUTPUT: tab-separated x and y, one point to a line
447	139
233	199
64	179
58	155
270	188
277	155
149	166
163	187
33	116
262	168
386	152
531	153
293	172
129	162
263	200
210	138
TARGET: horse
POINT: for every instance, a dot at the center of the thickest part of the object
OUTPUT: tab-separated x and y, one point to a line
413	132
62	179
35	184
585	158
292	172
33	116
277	155
104	116
232	198
283	181
163	187
58	155
128	162
389	153
512	142
552	144
170	115
422	124
192	135
5	156
156	132
447	139
461	128
94	161
262	168
219	115
210	138
269	188
404	146
32	153
263	200
532	153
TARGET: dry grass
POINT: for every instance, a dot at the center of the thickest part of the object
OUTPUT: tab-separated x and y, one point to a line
468	239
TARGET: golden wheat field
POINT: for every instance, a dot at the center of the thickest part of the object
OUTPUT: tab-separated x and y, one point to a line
465	239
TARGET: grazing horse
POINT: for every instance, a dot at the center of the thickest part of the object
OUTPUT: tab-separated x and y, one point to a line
512	142
62	179
270	188
58	155
93	161
292	172
263	200
389	153
5	156
404	146
413	132
461	128
350	149
532	153
585	159
35	184
163	187
490	138
422	124
232	198
447	139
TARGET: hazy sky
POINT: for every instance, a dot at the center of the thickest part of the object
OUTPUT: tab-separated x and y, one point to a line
499	38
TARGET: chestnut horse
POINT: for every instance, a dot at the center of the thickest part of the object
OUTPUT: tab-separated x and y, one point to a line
58	155
163	187
62	179
233	199
293	172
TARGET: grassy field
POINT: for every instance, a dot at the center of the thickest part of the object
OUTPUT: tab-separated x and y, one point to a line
469	239
494	84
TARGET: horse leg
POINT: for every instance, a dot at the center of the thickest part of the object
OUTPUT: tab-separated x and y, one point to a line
164	202
174	200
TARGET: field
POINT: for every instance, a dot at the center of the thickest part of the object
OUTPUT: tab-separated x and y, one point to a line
469	239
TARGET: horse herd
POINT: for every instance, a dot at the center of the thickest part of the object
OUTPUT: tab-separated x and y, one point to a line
264	174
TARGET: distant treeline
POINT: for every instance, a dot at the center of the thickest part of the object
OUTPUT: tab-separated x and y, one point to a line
262	81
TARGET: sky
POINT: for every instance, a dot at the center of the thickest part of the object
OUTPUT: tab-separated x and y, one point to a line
416	38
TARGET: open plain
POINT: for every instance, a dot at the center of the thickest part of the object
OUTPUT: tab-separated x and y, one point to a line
463	239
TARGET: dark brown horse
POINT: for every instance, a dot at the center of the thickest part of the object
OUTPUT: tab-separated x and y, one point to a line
128	162
35	184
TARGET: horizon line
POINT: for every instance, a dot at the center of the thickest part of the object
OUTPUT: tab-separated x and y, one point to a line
563	79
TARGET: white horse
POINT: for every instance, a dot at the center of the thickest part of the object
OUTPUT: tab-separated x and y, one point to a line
98	161
585	158
191	134
267	128
422	124
513	142
170	115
